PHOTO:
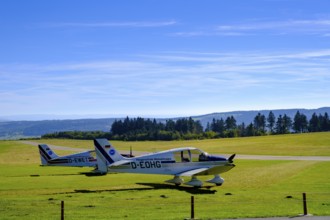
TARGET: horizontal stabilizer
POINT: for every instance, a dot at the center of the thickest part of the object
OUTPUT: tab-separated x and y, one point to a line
121	162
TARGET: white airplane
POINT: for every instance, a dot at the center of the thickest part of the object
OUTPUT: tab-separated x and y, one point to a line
49	158
83	159
186	161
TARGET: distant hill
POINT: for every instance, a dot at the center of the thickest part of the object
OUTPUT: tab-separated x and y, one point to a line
248	116
18	129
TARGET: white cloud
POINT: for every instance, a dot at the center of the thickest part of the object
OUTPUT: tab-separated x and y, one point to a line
287	27
156	81
318	27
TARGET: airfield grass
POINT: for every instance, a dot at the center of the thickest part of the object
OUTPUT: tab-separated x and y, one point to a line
254	188
305	144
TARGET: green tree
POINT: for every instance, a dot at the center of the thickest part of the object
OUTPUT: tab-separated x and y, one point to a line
218	126
260	124
300	123
271	122
279	126
325	122
170	125
230	123
287	123
250	131
314	123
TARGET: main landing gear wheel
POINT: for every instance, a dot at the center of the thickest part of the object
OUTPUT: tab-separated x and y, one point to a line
217	180
176	180
195	182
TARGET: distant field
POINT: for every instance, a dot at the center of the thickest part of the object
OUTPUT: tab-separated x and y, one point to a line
252	189
310	144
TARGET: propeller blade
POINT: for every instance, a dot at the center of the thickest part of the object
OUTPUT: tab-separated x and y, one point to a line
231	158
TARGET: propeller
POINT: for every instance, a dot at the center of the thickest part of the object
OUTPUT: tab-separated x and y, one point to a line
231	158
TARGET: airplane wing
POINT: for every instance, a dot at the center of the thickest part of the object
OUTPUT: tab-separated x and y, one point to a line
193	172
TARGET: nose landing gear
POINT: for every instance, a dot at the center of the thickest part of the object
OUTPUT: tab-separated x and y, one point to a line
217	180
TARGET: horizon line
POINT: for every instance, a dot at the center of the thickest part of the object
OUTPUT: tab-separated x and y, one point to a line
50	117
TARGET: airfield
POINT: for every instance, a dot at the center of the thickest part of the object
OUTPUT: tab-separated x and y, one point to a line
270	176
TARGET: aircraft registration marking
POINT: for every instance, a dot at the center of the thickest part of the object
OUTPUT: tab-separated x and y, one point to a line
146	164
78	160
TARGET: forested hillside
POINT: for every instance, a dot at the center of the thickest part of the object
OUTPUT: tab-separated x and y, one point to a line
140	129
243	119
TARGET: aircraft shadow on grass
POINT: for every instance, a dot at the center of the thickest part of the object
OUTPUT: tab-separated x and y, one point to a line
187	189
88	174
150	186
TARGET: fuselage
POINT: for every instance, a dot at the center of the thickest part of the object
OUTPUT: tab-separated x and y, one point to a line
84	159
174	162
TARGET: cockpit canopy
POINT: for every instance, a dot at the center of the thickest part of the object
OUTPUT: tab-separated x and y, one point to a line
195	155
203	156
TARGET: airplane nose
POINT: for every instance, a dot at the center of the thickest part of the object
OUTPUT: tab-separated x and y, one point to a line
216	158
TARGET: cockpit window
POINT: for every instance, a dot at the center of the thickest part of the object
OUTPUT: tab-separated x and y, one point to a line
182	156
195	153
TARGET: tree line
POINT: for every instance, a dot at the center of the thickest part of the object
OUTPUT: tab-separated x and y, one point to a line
146	129
139	129
263	125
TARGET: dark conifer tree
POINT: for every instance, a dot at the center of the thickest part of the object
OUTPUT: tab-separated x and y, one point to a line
300	123
287	124
260	123
279	128
218	126
314	123
230	123
271	122
250	130
324	122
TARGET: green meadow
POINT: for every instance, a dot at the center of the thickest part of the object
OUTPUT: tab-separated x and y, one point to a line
254	188
310	144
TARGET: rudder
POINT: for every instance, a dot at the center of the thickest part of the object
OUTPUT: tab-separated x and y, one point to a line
106	154
46	154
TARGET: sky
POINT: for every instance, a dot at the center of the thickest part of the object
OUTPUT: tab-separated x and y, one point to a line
85	58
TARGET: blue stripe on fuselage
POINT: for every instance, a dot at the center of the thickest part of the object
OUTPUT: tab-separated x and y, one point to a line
168	161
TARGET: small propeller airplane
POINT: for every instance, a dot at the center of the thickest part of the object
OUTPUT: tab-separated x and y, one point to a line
49	158
83	159
179	162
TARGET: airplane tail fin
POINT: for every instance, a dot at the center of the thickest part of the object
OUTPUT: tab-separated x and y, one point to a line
46	154
106	154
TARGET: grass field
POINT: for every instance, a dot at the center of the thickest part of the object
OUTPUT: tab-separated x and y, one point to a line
252	189
311	144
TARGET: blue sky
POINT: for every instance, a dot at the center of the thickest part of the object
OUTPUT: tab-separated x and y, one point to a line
77	58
